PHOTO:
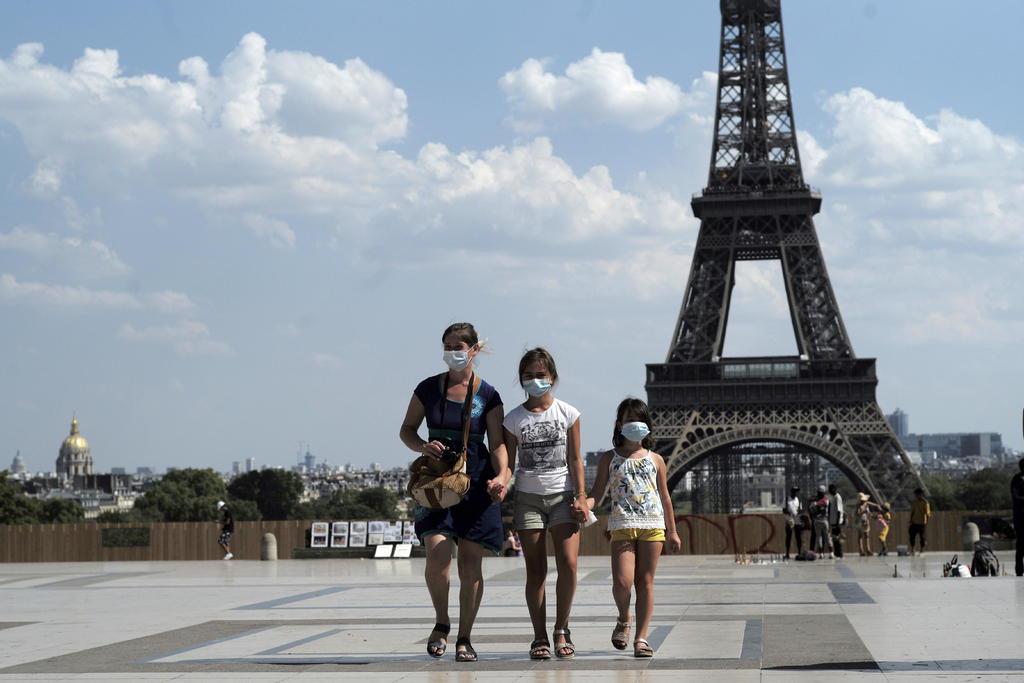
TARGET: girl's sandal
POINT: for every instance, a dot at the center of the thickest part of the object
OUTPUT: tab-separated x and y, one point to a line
466	655
436	648
641	648
540	649
620	636
566	650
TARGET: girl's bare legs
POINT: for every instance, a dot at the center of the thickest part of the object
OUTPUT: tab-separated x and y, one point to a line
566	540
623	569
535	552
647	554
438	578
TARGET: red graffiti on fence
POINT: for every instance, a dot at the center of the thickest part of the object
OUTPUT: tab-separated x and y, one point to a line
727	535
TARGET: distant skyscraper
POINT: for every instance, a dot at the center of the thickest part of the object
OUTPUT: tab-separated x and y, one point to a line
309	461
236	467
74	457
250	464
117	470
899	421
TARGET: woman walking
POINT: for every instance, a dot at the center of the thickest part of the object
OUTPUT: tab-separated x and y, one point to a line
475	523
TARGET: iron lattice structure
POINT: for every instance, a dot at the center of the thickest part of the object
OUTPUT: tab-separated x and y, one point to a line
756	206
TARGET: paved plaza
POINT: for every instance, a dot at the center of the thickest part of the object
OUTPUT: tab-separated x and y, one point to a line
847	620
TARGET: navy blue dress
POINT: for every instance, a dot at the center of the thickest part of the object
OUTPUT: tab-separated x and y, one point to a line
477	518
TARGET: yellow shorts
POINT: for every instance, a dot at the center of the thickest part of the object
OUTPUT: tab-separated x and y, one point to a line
638	535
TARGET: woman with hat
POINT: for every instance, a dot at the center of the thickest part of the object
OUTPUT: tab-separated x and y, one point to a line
863	514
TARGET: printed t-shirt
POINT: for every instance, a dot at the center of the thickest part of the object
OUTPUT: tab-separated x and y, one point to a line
541	462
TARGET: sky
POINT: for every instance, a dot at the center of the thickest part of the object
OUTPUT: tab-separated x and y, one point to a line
233	230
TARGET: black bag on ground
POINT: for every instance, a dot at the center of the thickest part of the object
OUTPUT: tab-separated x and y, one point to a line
985	562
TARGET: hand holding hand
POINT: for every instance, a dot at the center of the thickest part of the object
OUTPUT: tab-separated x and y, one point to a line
496	489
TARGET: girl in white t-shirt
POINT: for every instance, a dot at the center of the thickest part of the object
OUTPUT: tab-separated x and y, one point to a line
543	440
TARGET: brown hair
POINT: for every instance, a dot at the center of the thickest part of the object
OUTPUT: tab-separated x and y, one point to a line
642	412
542	355
464	332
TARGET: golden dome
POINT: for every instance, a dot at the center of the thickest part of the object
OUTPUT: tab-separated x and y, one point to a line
75	441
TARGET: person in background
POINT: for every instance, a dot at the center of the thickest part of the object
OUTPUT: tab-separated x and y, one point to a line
883	518
227	527
1017	495
920	513
863	514
836	519
819	510
791	517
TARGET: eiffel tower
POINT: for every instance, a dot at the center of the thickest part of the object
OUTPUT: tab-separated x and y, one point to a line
714	411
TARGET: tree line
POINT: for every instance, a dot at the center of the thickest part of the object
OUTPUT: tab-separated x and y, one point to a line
191	495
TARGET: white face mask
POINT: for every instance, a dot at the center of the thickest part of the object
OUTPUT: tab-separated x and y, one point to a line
456	360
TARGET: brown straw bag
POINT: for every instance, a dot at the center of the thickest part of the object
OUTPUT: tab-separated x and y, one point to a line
438	484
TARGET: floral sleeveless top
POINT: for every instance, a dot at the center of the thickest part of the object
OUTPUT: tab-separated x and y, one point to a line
633	484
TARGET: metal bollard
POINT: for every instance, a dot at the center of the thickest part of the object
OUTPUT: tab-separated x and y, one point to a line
268	547
970	535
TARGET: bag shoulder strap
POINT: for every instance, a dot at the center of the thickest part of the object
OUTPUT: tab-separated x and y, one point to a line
467	409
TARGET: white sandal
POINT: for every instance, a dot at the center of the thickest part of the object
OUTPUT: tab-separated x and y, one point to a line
641	648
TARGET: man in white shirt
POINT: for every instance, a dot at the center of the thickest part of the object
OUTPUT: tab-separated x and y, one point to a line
791	516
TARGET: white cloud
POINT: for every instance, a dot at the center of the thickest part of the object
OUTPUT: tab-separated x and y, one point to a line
187	337
278	133
599	88
82	298
274	231
85	258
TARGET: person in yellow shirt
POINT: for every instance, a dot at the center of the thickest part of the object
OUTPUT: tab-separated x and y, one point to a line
920	513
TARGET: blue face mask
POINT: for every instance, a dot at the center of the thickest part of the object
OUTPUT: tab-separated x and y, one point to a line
536	387
635	431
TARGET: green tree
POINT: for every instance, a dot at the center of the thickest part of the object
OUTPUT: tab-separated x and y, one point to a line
987	489
371	503
60	511
187	495
15	506
114	517
275	492
943	494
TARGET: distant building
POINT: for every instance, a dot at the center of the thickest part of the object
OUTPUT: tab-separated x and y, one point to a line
899	421
250	464
590	461
18	464
956	444
309	460
145	471
74	457
236	467
117	470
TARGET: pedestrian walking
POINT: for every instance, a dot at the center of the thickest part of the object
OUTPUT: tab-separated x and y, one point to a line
474	524
920	513
543	440
884	520
641	523
227	527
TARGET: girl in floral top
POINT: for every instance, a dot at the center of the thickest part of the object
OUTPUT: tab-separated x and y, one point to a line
641	521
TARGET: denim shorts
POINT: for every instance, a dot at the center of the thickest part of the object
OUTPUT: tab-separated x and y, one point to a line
537	511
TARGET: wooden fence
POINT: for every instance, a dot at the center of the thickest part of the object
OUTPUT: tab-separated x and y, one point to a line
700	534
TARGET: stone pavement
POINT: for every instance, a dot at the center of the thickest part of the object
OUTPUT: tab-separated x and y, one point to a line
846	620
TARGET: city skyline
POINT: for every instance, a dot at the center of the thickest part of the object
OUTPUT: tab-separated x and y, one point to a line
225	234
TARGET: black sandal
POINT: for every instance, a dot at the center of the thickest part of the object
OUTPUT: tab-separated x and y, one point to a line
467	655
564	632
540	649
435	648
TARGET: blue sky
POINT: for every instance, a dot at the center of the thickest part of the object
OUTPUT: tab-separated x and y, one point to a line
229	228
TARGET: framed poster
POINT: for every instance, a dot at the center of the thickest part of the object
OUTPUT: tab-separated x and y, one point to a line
375	535
318	535
357	535
393	532
339	535
409	533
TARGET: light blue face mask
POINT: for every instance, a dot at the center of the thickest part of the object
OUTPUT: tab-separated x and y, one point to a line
456	360
635	431
536	387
